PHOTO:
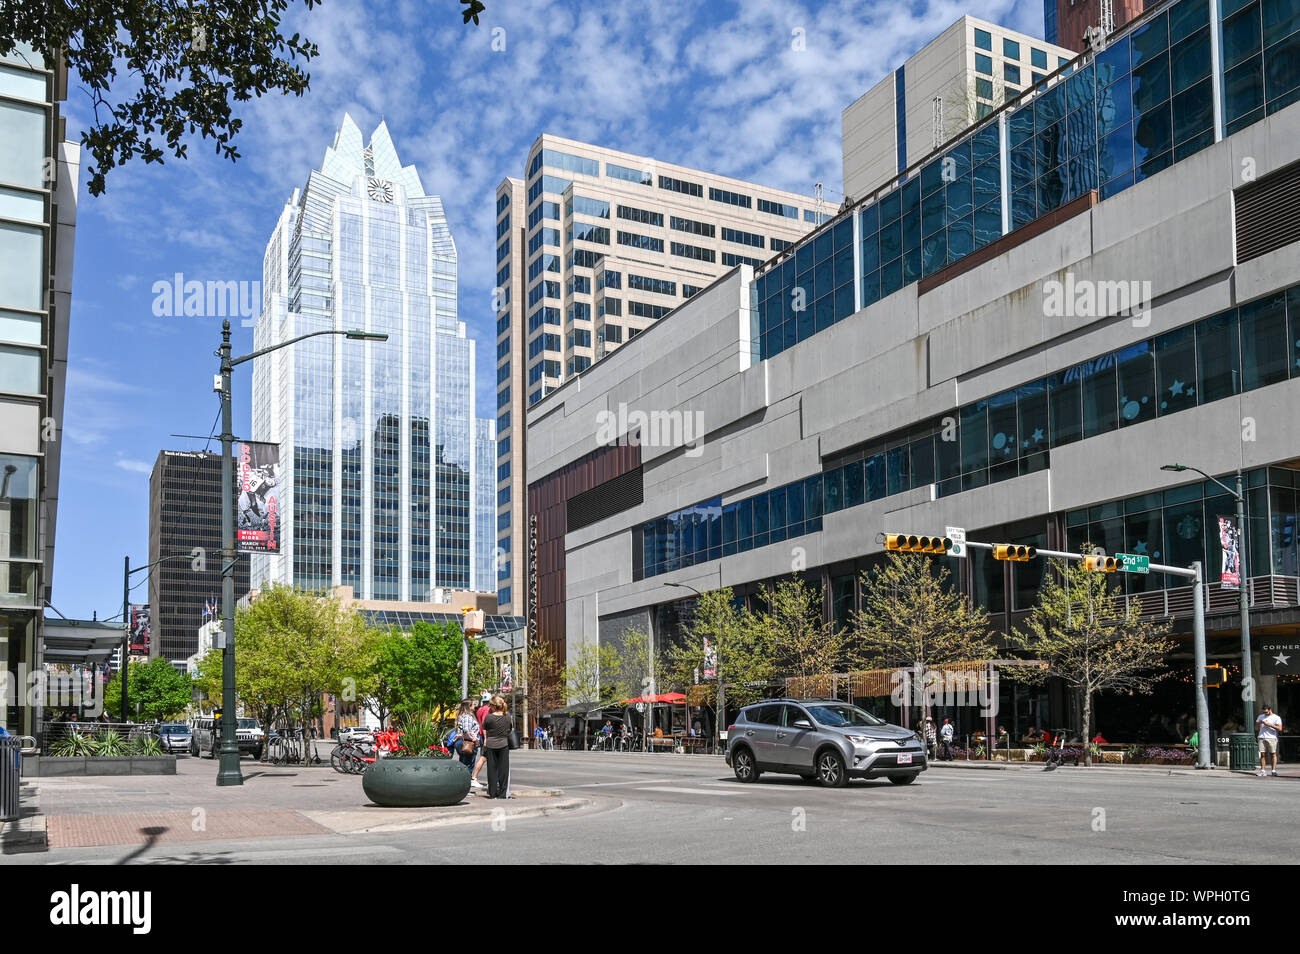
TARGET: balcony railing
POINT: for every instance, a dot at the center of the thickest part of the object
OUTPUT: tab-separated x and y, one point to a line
1265	592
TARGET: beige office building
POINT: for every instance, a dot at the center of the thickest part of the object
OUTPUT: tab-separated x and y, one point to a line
594	245
971	68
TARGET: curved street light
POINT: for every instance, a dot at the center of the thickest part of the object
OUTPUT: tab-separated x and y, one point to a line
229	773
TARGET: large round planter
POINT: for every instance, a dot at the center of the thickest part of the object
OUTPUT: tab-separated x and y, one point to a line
416	783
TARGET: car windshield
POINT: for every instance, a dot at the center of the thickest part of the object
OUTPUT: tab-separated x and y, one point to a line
173	727
248	723
842	714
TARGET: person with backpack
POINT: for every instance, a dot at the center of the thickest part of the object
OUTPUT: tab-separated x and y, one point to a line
945	737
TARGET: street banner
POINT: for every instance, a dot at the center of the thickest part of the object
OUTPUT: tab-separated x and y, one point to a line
139	641
710	660
506	685
1230	578
257	479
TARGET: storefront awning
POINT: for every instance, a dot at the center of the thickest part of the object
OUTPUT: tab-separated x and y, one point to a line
79	641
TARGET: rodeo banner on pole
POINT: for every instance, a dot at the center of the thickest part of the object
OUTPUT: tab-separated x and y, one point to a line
257	474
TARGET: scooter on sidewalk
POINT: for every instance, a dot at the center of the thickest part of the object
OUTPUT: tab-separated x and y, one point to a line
1056	754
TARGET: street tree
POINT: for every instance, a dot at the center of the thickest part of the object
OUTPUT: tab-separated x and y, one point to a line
803	644
590	678
914	619
422	669
1084	635
157	688
634	675
727	640
543	685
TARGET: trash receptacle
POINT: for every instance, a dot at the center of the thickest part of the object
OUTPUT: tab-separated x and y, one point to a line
1245	752
11	770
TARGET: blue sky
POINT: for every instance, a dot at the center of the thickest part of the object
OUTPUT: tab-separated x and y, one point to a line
717	85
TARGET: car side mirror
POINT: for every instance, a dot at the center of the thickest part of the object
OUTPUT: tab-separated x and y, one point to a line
802	724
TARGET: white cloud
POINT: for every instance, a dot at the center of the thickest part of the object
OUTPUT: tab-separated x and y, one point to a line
135	466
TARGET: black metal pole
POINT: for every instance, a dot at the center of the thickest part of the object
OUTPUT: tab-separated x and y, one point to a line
229	773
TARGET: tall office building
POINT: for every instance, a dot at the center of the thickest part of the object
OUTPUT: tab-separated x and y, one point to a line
958	78
1064	21
38	214
185	516
594	245
377	439
485	506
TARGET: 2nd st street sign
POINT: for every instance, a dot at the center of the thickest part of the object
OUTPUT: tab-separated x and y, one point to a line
1133	563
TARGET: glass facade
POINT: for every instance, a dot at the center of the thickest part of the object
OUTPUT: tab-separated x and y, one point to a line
377	438
1180	526
1143	104
1009	434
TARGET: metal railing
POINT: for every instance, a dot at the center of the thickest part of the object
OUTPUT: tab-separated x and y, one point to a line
1264	592
54	731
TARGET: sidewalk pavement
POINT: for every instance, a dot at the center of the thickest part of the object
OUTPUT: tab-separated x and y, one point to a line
274	801
27	833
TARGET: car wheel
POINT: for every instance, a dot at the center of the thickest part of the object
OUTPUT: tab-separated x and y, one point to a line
743	764
830	769
194	750
903	779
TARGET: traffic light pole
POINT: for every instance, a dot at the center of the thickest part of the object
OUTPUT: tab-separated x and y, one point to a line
1192	573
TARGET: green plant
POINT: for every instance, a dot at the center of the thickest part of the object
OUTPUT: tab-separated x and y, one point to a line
979	751
1094	749
419	732
146	745
1040	749
109	744
74	746
1132	751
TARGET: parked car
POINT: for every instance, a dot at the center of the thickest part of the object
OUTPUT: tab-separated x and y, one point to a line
173	736
356	733
205	737
822	739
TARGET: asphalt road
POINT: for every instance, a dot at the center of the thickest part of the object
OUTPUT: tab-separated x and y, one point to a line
688	809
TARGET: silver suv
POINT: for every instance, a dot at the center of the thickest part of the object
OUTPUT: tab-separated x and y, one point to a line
823	739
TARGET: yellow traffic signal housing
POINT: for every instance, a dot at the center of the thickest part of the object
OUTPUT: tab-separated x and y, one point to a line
1101	564
909	543
1015	552
1215	676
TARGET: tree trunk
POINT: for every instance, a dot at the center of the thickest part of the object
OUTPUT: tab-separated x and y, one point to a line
1087	727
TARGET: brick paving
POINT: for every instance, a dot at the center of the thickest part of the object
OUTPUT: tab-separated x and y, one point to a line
137	828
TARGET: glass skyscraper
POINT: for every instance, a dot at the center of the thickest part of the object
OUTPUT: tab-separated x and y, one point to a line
378	440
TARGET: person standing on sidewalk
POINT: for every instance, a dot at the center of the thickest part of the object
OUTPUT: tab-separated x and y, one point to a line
467	734
931	738
1270	725
945	736
481	761
496	727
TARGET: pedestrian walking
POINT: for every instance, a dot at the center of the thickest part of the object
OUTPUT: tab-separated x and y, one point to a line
931	738
1270	725
467	733
496	729
945	738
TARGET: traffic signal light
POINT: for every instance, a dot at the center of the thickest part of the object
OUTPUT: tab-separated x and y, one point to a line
1103	564
1013	551
908	543
1215	676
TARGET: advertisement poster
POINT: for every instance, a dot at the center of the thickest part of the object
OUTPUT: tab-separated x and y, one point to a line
1230	578
139	641
257	514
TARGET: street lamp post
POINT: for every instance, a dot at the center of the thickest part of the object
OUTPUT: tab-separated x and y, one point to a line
229	773
127	573
722	689
1243	591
